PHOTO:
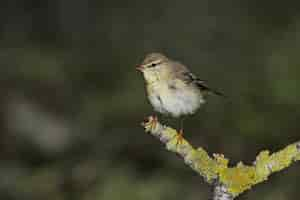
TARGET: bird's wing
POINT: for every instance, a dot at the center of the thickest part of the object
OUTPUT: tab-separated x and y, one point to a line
188	77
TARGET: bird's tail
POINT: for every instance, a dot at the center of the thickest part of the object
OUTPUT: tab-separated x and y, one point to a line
210	90
216	92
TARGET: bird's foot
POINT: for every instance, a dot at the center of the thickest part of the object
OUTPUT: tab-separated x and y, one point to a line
150	122
154	121
179	137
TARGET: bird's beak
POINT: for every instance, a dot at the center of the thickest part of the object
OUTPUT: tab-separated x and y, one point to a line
140	68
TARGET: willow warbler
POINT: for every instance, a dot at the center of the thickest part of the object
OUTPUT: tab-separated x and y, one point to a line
172	89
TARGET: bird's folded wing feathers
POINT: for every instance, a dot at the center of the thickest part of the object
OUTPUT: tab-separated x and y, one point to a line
188	77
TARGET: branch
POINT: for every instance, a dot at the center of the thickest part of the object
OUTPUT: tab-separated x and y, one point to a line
229	182
220	193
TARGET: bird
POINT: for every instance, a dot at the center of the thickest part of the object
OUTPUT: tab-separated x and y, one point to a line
172	89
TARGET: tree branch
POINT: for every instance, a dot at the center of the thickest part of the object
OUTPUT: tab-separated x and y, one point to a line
228	182
220	193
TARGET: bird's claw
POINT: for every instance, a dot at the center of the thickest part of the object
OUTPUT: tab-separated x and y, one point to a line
150	122
179	137
154	121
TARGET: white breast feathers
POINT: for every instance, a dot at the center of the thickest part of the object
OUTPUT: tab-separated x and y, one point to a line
175	101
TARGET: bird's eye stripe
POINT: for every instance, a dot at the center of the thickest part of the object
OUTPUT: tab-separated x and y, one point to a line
153	64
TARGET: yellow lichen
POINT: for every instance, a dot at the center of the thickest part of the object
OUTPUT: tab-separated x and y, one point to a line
242	177
261	166
204	164
236	179
175	145
282	159
221	161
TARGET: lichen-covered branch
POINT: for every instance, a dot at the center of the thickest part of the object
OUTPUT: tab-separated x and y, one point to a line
214	169
220	192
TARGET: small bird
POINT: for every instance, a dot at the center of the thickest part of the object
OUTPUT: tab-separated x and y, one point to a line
171	88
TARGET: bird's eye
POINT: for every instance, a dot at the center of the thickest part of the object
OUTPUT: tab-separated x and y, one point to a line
153	65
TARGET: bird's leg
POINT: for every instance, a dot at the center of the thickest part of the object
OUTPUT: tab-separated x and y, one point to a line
179	136
154	121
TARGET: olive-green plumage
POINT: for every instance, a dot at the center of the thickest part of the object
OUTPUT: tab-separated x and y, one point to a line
172	89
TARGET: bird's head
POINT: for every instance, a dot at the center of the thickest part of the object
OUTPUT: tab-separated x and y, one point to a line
154	67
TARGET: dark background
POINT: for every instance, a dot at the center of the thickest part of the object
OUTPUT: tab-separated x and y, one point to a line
71	100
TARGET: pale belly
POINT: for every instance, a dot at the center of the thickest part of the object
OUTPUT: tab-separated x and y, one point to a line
175	102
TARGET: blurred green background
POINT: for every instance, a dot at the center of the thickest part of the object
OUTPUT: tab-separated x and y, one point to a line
71	100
